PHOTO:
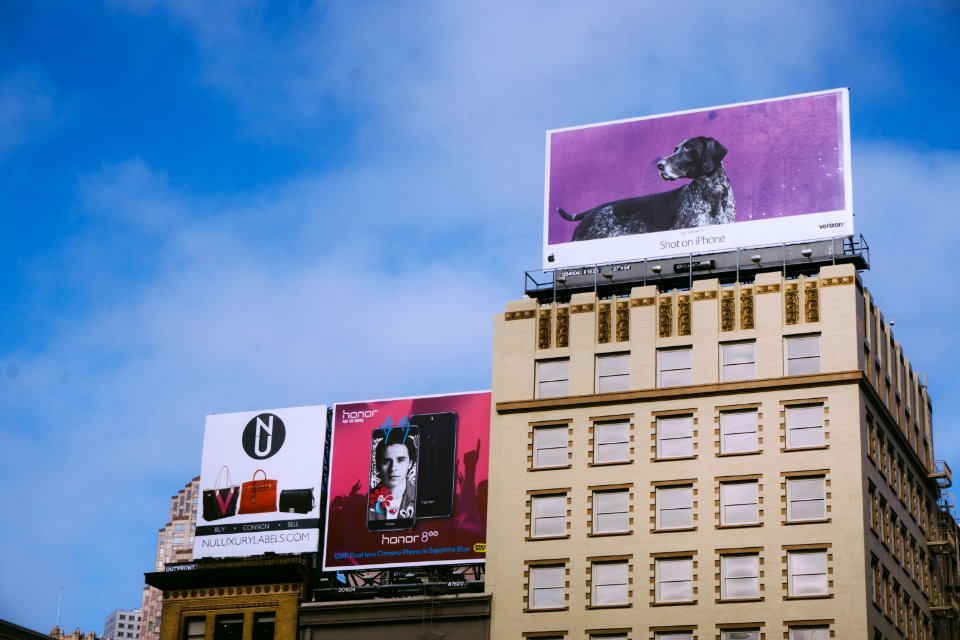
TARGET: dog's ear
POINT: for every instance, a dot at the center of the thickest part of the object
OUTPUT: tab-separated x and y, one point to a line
713	153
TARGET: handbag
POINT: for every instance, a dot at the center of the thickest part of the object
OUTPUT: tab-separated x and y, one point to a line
258	496
297	500
220	502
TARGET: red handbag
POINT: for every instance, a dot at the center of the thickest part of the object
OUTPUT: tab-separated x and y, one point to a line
258	496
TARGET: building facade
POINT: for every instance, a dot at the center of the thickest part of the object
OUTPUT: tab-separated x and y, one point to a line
744	461
122	624
174	544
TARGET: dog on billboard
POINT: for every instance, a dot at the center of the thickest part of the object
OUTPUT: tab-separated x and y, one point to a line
707	200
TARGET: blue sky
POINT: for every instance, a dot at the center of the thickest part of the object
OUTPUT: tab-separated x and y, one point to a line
228	206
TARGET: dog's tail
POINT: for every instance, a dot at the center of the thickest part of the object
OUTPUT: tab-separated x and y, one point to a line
567	216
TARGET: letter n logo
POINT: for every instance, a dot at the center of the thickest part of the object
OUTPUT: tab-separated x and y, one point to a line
263	436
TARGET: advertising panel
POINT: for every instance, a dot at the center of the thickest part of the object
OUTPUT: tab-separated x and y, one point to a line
408	482
260	482
766	172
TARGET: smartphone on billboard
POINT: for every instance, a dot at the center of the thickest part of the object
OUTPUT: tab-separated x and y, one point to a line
392	501
436	476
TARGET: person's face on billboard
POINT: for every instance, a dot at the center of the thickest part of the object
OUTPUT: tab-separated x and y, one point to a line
394	465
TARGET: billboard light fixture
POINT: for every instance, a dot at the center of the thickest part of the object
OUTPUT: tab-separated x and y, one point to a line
561	278
755	259
806	252
608	273
656	269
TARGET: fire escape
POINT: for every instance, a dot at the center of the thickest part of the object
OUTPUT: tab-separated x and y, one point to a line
942	543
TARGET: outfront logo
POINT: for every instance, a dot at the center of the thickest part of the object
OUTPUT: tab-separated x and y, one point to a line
263	436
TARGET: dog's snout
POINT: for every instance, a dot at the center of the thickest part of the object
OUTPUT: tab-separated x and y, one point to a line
661	164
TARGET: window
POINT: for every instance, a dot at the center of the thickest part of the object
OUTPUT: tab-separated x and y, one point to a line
674	507
740	634
613	373
228	628
738	503
675	437
739	576
552	378
263	626
546	587
548	516
611	511
611	442
738	432
806	500
609	584
807	573
801	355
804	426
549	447
674	367
738	361
674	578
810	633
671	635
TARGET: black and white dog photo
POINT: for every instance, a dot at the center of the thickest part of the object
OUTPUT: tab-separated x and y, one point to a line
707	200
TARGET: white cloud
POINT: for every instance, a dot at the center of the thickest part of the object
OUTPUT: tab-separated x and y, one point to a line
27	108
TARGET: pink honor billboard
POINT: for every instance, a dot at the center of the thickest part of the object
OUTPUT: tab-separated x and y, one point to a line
408	482
714	179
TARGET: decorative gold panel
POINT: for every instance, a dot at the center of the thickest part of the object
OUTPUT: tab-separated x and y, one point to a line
543	329
791	304
519	315
746	308
811	302
642	302
581	308
704	295
683	315
728	311
623	321
563	327
833	282
665	316
768	288
603	323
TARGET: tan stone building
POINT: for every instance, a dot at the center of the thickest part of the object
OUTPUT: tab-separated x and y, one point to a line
738	461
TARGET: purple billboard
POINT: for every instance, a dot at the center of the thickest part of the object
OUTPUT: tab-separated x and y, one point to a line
706	180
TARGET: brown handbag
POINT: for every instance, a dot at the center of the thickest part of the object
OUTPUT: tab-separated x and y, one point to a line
258	496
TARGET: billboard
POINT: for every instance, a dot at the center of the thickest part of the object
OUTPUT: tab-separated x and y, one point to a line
712	179
408	482
260	481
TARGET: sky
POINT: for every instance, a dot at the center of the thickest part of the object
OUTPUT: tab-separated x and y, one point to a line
239	205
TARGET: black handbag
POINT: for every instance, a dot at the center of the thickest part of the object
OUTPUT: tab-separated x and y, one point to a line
297	500
220	502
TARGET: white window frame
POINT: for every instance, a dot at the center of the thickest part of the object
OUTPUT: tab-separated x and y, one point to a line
607	517
611	586
540	446
667	496
612	372
672	431
732	504
546	582
802	486
548	515
736	569
673	635
674	370
740	634
798	361
737	362
804	420
553	381
610	447
811	633
810	580
664	569
729	432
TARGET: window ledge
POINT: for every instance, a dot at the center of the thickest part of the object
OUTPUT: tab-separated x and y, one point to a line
734	600
824	596
536	538
817	521
734	454
678	603
819	447
545	609
609	464
566	466
748	525
625	605
605	534
675	530
693	457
